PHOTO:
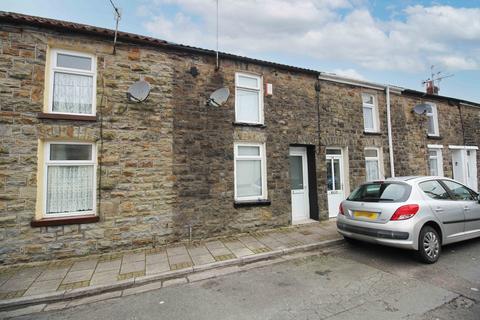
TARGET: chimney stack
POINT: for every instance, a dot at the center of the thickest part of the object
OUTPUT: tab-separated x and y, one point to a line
431	87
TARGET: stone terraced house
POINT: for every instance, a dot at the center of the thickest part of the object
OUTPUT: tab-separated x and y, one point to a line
84	170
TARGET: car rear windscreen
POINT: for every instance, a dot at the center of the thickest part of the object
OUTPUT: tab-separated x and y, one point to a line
381	192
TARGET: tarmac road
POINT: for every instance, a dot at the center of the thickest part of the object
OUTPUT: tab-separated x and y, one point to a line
350	282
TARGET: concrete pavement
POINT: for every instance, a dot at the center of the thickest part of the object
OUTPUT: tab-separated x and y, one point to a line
52	281
345	282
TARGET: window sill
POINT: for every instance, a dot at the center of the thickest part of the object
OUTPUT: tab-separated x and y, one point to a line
246	124
49	222
58	116
372	133
432	137
251	203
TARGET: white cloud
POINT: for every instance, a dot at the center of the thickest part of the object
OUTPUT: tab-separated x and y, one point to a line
340	30
349	73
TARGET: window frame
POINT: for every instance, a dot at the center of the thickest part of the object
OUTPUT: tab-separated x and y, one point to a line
47	162
378	158
54	68
439	159
434	116
258	89
375	113
263	167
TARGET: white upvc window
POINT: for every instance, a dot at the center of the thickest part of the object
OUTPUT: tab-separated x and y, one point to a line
72	83
373	164
69	179
248	98
370	113
435	161
432	120
250	171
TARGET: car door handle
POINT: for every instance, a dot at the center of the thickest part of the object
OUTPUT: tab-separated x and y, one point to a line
466	208
438	210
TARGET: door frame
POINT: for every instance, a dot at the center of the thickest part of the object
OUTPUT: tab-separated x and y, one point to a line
302	152
344	169
312	180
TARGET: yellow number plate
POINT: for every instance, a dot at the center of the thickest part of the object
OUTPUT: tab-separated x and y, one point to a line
365	214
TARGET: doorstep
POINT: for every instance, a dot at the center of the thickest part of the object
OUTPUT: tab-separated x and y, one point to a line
53	283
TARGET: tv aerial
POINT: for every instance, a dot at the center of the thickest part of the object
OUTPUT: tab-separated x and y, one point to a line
432	84
218	97
138	91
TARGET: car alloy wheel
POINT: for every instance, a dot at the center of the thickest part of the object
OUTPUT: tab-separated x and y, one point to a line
431	245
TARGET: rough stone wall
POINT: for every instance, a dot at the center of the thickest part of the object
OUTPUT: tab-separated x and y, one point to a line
204	138
135	152
342	126
168	163
411	139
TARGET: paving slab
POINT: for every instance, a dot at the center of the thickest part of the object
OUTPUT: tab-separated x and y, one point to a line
204	259
132	267
84	265
39	287
52	274
105	277
157	267
77	276
133	257
112	265
156	258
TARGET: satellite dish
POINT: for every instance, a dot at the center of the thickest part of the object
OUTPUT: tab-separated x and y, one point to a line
218	97
421	108
138	91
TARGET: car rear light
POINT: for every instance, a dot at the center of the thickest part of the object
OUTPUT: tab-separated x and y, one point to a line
340	210
405	212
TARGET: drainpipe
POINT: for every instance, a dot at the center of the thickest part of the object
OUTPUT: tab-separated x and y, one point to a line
389	128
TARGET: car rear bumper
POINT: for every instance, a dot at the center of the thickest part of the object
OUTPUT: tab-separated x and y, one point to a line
399	239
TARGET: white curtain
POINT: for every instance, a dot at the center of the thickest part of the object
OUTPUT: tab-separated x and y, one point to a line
433	167
249	178
72	93
372	170
247	108
368	118
69	189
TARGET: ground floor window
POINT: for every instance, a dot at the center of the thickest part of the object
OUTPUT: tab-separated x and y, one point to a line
435	162
373	164
250	171
69	178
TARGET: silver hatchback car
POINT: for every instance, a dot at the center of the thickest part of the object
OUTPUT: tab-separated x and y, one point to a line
417	213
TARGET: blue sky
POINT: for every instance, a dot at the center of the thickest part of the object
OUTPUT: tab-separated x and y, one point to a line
392	42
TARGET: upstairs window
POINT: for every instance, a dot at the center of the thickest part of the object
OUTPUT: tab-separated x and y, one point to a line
72	83
432	120
373	164
248	98
370	113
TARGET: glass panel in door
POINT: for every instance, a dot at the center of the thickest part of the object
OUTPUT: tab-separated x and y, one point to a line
296	172
336	174
329	175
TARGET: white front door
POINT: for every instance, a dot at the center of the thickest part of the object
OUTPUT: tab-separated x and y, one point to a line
335	183
465	167
299	184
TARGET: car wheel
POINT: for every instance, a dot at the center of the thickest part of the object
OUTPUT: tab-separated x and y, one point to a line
429	245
